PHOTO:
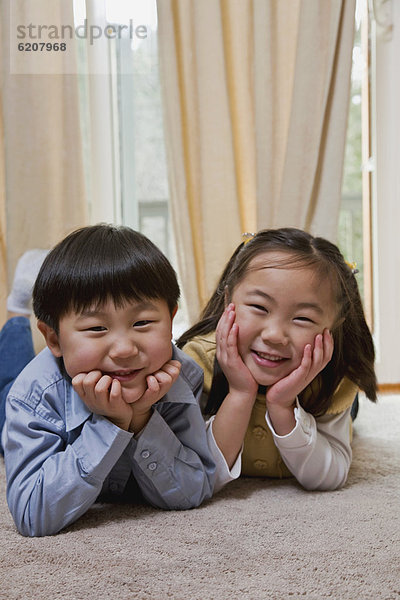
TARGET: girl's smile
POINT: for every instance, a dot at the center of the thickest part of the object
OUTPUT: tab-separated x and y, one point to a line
267	360
279	310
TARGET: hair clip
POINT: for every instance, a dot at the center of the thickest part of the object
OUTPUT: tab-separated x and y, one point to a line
352	266
247	237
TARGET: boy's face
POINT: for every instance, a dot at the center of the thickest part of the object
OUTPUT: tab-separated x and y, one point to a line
127	343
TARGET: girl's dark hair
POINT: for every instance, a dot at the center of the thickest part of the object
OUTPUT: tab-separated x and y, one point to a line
353	354
97	263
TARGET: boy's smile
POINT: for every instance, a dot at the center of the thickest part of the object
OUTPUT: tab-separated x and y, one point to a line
123	376
128	343
279	310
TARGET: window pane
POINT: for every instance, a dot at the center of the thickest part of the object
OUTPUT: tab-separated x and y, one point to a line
350	234
138	119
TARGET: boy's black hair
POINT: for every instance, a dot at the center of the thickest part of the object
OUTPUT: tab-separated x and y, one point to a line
353	354
97	263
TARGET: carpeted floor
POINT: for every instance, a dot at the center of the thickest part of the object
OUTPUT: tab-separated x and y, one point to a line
257	539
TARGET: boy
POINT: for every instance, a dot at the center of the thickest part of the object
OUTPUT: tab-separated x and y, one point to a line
110	407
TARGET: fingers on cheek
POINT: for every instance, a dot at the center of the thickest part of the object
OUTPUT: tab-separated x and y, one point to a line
318	341
316	352
173	374
163	378
115	389
89	381
152	383
176	365
329	345
172	371
103	385
78	380
232	338
308	351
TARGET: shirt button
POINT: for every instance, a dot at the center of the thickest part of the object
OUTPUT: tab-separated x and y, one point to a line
114	487
260	464
259	433
145	454
152	466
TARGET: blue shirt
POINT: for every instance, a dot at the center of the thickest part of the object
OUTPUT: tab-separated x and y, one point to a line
60	457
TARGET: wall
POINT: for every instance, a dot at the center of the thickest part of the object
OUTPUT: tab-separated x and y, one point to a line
386	182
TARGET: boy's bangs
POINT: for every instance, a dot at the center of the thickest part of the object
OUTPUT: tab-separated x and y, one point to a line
121	281
98	263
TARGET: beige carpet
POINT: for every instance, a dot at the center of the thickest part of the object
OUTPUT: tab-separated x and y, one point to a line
257	539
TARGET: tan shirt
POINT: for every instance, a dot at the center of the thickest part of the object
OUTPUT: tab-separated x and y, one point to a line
261	457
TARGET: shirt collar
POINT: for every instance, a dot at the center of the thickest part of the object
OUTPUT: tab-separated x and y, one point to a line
76	411
179	392
190	377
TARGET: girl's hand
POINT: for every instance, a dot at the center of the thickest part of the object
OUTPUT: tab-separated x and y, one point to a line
102	395
238	375
233	416
283	393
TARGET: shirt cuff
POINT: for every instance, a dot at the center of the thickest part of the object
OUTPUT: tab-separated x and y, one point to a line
100	445
223	474
302	433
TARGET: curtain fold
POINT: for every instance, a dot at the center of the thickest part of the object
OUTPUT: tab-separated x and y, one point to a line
44	179
256	99
304	55
208	99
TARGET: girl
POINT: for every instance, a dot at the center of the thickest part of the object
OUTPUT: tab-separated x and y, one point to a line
284	346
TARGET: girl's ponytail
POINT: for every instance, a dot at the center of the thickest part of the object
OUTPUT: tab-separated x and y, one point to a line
358	347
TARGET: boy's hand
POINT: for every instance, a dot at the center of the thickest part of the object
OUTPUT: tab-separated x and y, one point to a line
281	396
106	396
238	375
158	384
102	395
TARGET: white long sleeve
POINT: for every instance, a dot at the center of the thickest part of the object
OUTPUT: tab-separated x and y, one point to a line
317	451
223	474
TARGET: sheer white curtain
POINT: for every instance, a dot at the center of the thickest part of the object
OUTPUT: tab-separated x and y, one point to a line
44	193
303	54
256	100
209	122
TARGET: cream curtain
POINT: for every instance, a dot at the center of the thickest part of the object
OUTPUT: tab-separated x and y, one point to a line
42	159
256	98
209	119
303	53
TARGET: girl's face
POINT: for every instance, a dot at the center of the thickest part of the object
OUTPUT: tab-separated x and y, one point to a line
279	311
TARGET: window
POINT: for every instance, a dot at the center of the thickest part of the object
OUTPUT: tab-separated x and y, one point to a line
354	234
129	120
141	163
122	123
